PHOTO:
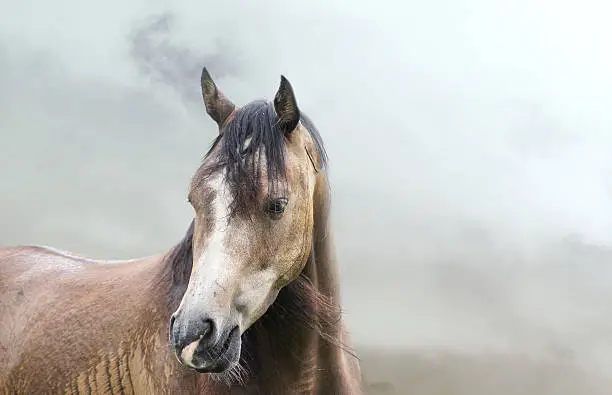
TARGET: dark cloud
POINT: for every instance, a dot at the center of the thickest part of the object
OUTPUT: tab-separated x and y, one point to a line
157	55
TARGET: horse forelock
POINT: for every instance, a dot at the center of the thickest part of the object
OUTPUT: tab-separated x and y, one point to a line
251	143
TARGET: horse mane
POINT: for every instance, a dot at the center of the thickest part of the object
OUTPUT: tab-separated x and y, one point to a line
252	132
179	263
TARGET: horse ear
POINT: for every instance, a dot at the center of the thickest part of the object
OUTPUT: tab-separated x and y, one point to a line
217	105
286	107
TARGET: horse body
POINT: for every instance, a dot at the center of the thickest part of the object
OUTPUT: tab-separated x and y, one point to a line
76	325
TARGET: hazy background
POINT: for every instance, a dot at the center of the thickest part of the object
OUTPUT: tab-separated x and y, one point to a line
470	146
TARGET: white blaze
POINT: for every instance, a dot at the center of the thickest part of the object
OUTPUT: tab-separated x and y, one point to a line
210	270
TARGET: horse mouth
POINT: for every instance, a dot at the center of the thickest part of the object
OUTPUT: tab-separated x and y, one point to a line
222	358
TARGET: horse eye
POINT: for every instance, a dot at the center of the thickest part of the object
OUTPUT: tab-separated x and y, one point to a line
277	206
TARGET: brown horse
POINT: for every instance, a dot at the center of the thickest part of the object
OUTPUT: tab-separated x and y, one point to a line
247	303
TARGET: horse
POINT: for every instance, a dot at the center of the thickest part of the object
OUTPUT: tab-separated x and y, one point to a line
248	302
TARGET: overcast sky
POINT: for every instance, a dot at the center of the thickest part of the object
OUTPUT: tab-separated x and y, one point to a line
470	146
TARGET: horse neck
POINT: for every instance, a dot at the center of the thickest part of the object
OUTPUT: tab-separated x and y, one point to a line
338	366
324	258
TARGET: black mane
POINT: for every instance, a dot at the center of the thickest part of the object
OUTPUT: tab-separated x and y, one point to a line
257	124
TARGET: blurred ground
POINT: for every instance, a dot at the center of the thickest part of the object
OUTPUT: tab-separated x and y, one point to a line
478	326
416	372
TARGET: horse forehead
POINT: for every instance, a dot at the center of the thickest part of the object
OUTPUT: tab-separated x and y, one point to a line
296	165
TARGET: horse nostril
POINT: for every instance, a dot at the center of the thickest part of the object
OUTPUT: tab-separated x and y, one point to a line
208	329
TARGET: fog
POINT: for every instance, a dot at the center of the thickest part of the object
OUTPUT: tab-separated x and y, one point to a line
469	146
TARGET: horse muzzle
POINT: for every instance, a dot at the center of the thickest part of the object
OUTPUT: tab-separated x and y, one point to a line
204	346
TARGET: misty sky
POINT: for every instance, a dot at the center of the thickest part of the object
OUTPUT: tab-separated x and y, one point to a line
469	146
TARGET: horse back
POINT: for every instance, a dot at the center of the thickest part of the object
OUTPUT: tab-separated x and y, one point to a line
60	314
28	288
